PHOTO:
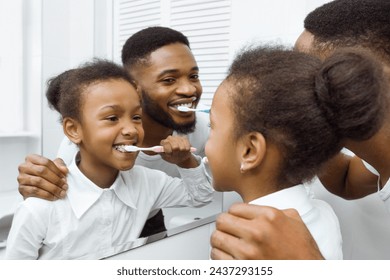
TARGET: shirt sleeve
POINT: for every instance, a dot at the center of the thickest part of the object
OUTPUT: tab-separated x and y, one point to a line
27	232
192	189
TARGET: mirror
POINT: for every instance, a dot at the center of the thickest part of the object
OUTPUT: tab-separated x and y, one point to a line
59	35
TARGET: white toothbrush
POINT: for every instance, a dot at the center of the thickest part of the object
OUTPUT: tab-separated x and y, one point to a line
186	109
156	149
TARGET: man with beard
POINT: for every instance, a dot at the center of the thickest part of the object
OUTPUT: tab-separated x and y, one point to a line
160	61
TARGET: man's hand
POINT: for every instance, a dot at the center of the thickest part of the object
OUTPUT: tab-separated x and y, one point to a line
43	178
177	150
261	232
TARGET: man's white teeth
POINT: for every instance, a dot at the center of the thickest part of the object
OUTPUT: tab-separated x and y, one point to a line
188	105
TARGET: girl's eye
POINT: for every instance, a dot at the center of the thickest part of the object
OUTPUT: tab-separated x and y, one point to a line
137	118
112	118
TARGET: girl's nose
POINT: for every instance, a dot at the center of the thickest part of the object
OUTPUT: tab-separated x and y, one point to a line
129	130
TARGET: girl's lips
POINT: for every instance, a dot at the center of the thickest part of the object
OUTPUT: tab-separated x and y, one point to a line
119	148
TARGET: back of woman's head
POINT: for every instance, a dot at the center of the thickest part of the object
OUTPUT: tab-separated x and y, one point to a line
306	107
64	92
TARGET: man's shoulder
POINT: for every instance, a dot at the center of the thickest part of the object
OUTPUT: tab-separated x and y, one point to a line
202	127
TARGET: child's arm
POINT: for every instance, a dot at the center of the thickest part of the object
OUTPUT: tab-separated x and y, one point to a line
347	177
27	233
192	189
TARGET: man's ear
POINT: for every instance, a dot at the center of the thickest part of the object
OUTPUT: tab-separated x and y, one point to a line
72	130
252	152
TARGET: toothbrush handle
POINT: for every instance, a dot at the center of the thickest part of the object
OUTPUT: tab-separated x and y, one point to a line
160	149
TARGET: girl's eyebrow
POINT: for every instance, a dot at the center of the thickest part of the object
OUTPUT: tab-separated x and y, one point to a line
117	107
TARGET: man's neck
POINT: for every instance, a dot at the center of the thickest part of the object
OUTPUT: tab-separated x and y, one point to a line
154	132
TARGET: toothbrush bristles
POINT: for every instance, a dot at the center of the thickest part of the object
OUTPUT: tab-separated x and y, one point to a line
183	109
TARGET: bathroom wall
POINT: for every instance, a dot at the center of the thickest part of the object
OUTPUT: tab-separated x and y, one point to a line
17	143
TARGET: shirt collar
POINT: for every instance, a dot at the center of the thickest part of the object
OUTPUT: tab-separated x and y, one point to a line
294	197
384	192
83	193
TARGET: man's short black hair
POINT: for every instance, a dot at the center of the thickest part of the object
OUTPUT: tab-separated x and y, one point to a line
347	23
140	45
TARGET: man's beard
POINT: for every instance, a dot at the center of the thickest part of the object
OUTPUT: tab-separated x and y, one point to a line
153	110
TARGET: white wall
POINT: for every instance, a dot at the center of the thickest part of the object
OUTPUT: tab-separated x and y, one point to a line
58	34
26	139
278	21
67	41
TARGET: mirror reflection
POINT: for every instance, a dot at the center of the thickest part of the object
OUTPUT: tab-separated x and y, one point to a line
50	37
164	74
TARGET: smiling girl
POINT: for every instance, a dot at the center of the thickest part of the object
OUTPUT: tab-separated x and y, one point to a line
109	198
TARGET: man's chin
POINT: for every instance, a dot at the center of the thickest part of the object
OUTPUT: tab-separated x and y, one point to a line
184	128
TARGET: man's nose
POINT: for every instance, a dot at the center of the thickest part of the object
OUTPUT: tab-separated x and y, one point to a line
186	88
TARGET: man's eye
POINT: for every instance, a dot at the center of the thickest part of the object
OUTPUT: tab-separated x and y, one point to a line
195	77
169	80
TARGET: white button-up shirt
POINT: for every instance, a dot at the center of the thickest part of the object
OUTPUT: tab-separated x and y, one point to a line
318	216
91	222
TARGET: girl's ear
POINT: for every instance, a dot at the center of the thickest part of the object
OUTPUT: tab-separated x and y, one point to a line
253	151
72	130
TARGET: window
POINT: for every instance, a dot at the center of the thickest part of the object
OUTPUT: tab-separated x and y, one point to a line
11	67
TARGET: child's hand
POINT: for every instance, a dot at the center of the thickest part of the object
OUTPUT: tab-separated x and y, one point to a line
177	151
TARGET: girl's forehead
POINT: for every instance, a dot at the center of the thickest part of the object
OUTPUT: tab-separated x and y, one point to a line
221	101
106	91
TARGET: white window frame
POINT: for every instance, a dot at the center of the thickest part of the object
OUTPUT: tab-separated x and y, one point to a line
11	68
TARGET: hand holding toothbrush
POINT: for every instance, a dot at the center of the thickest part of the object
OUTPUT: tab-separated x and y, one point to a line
177	150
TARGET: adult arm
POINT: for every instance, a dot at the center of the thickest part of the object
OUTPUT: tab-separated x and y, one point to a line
43	178
261	232
347	177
